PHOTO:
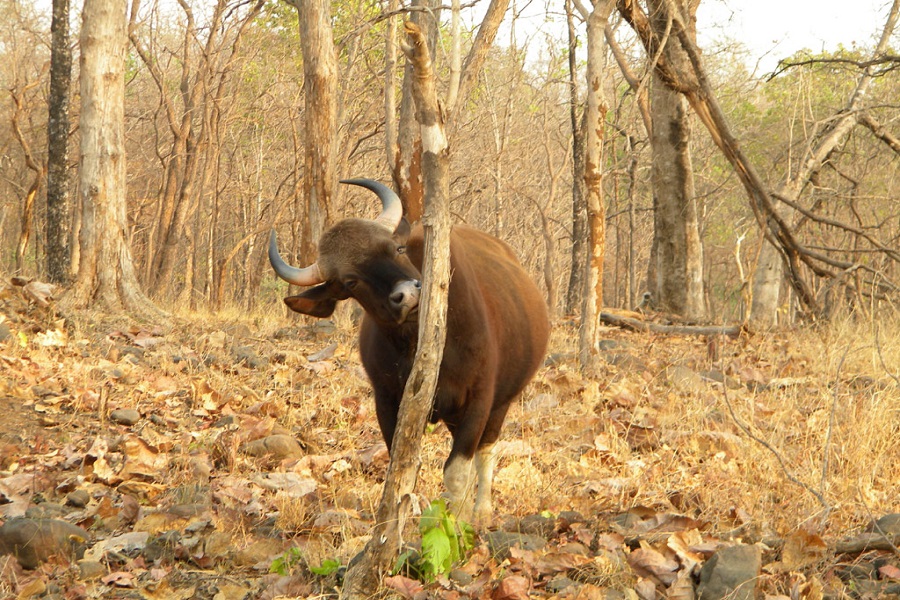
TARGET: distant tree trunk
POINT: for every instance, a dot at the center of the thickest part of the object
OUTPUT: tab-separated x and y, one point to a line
364	577
678	283
575	291
320	73
588	346
34	164
58	255
106	277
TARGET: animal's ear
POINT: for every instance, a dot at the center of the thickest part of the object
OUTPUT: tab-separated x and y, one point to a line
402	231
318	301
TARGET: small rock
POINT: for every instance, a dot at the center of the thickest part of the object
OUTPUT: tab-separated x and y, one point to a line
277	447
537	525
625	361
32	541
720	377
247	357
162	547
887	525
558	584
460	577
125	416
5	333
45	510
91	569
732	572
78	498
499	542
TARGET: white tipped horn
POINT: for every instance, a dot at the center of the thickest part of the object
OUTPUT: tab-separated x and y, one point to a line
392	208
307	276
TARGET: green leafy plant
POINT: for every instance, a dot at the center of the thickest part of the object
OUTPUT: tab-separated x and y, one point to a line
328	566
284	564
445	542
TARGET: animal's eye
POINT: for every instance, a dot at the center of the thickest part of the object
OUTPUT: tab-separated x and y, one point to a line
351	284
401	249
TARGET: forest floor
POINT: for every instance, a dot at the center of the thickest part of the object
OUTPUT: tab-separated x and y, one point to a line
239	457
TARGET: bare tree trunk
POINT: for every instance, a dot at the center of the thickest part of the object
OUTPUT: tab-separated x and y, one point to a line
588	345
58	256
363	578
575	291
320	73
106	277
678	285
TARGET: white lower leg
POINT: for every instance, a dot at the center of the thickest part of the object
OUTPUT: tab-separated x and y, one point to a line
459	483
484	467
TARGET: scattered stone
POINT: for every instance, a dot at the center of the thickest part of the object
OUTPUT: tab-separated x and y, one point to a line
568	517
250	359
537	525
609	345
219	545
499	542
460	577
625	362
125	416
558	584
162	547
888	525
720	377
91	569
732	572
5	333
45	510
32	541
277	447
78	498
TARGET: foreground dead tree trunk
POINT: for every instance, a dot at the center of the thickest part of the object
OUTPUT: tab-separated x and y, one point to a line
364	577
106	278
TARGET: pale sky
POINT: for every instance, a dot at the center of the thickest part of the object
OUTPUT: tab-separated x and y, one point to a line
775	29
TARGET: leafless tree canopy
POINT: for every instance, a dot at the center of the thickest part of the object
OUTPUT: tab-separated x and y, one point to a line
219	149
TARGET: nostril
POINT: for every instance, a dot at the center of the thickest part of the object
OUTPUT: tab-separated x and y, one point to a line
397	298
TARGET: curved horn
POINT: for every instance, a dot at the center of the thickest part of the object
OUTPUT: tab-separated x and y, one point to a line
306	276
392	208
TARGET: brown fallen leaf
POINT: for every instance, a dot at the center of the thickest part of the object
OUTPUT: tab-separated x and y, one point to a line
514	587
650	563
406	587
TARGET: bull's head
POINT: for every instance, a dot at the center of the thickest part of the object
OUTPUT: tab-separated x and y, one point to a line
360	259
